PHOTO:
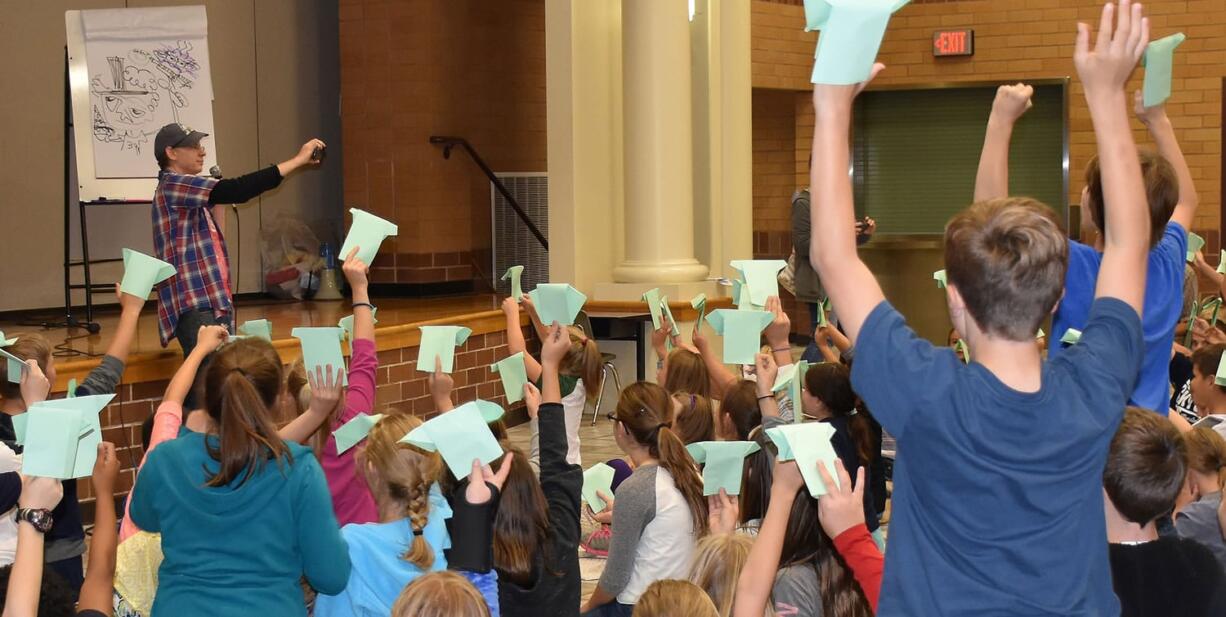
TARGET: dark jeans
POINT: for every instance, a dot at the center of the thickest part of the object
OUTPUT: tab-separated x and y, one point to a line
612	609
72	571
189	327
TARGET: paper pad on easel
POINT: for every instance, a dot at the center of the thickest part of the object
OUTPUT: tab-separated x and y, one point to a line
367	233
807	444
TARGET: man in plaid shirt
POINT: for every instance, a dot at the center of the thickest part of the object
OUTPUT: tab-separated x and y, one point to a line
188	228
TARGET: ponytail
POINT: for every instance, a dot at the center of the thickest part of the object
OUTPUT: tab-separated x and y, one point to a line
841	593
400	476
671	452
584	361
242	383
1207	453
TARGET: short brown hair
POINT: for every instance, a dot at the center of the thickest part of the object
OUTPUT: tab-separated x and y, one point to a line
1007	258
694	422
440	594
1207	453
1145	466
28	347
1161	191
1206	359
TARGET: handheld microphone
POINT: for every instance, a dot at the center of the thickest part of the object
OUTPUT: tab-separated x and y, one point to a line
215	171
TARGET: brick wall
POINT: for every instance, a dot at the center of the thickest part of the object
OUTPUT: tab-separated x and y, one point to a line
399	387
1015	41
415	68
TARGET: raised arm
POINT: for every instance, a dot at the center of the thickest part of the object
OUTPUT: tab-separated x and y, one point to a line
326	389
97	592
1104	70
777	332
767	372
541	329
130	307
753	588
721	378
1159	125
992	180
515	335
25	579
853	290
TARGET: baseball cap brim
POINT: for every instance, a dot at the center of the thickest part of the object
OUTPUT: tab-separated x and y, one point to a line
193	138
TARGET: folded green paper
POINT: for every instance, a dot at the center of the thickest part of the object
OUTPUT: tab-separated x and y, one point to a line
1221	263
557	302
761	276
1159	63
668	312
460	436
1195	244
322	347
939	277
851	34
440	342
723	464
141	272
61	437
807	444
257	328
515	275
15	366
966	351
354	431
742	331
1072	336
346	323
514	375
72	388
367	233
699	303
652	298
598	477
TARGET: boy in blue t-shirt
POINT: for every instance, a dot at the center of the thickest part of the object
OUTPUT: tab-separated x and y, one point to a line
1172	205
997	486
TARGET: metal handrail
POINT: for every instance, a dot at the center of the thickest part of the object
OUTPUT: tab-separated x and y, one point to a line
450	142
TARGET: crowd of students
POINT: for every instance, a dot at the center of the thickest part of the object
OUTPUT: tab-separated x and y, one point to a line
1023	484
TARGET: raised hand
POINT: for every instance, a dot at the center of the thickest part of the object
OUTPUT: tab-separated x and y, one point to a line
40	493
842	507
1123	34
1012	101
786	479
106	469
355	270
606	515
767	372
209	338
779	328
306	153
326	389
34	384
478	492
831	97
532	400
510	306
441	384
555	346
723	513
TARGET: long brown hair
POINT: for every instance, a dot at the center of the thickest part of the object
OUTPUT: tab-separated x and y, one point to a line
521	526
584	361
717	565
740	404
687	373
694	421
440	594
644	409
672	598
1207	453
831	384
240	387
31	346
400	475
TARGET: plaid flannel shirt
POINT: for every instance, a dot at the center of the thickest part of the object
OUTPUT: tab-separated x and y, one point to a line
183	229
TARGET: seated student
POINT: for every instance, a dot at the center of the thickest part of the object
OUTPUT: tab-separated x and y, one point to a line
1207	475
30	591
660	511
807	575
740	411
822	585
718	561
1154	575
440	594
1172	201
776	334
682	369
693	417
673	598
257	506
580	373
66	541
1008	434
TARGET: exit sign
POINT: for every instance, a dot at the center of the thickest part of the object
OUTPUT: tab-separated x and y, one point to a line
953	43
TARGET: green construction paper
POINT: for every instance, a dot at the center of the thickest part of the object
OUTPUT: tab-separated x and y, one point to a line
367	233
668	312
1195	244
141	272
490	412
514	375
51	447
321	347
1187	337
939	277
807	444
823	308
598	477
5	342
652	298
1072	336
72	388
557	302
440	342
852	31
460	436
1040	335
15	366
257	328
346	323
19	427
742	331
741	297
966	351
699	303
1219	379
515	274
784	378
761	276
1221	263
354	431
1216	303
723	464
84	412
1159	61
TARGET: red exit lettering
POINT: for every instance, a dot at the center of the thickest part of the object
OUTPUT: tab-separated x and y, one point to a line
953	43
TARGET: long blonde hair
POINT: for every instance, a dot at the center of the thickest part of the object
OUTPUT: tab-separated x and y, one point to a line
440	594
717	565
670	598
400	475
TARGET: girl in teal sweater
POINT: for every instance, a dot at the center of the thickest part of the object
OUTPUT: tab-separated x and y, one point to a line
243	515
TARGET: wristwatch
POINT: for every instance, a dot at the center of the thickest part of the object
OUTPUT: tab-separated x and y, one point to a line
40	519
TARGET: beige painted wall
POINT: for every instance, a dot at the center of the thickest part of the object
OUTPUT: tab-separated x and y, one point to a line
276	83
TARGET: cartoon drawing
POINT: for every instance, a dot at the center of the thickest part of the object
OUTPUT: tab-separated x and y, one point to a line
144	90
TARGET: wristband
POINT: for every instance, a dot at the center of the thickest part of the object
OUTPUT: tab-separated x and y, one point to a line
365	304
782	350
765	396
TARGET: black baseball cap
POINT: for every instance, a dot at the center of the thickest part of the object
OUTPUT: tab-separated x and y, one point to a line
174	135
